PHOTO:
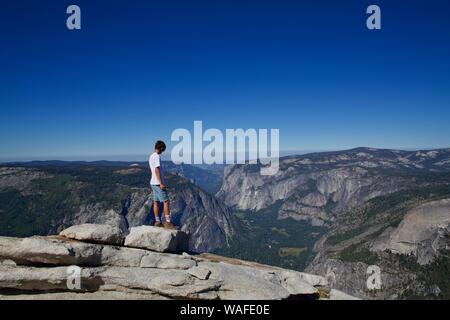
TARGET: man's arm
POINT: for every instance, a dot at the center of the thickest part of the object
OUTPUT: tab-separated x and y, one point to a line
158	176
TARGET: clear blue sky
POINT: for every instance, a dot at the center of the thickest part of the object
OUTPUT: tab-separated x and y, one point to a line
140	69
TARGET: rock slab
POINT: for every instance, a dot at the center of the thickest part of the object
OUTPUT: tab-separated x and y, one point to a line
97	233
157	239
38	268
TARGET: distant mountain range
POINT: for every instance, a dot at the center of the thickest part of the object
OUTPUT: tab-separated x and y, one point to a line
330	213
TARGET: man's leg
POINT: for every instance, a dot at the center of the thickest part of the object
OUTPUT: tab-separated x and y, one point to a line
168	224
167	210
156	213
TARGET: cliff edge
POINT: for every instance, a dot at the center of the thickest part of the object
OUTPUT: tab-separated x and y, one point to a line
99	262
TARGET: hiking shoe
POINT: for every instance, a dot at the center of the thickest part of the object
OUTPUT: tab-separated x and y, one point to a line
158	224
169	225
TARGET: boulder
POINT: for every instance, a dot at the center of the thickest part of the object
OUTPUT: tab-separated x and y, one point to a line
97	233
157	239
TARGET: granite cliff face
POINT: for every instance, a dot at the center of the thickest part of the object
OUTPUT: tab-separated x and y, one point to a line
412	255
319	187
376	207
423	233
148	264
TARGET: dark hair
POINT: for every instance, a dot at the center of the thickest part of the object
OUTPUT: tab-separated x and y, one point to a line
160	145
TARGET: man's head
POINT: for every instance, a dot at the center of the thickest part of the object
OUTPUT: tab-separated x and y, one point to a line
160	146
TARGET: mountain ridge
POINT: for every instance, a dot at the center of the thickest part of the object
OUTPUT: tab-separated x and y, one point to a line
332	213
356	196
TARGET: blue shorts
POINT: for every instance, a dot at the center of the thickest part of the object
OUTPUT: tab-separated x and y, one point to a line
159	194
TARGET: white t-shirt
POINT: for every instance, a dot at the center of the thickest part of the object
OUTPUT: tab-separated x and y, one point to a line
155	162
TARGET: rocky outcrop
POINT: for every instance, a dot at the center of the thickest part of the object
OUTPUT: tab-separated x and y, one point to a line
352	277
157	239
43	268
423	232
95	233
50	251
406	253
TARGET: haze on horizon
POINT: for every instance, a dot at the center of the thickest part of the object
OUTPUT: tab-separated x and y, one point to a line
166	156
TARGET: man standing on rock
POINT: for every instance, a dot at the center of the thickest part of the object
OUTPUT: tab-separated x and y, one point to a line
159	188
